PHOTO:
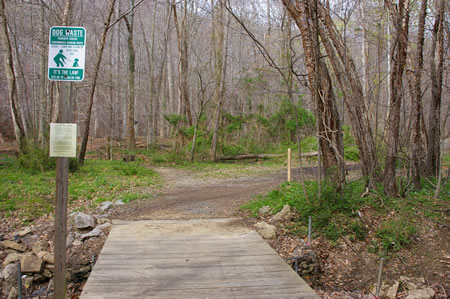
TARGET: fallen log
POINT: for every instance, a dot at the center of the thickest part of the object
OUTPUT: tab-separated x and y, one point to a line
260	156
243	157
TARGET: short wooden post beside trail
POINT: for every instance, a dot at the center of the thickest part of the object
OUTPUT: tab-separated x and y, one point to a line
289	165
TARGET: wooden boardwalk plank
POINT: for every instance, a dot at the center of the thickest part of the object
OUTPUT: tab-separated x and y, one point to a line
190	259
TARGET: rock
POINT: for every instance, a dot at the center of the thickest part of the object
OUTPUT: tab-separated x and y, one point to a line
103	220
39	246
39	278
284	215
77	243
46	257
391	292
84	221
50	267
69	240
13	293
47	273
1	278
41	254
105	206
49	258
12	258
13	245
9	273
264	211
266	231
427	293
119	203
23	232
96	232
31	264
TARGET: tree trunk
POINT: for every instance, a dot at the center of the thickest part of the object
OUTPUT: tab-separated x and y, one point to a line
304	14
11	80
131	143
400	16
218	44
42	137
98	61
433	149
181	30
348	79
417	145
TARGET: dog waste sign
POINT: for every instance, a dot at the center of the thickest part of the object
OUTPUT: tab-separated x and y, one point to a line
66	53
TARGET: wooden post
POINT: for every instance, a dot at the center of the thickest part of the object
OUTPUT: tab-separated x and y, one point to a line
289	166
62	182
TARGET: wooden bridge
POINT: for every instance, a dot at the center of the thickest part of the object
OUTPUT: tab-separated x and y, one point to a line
217	258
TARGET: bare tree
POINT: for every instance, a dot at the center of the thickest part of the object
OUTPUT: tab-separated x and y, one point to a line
437	57
98	61
417	145
218	45
42	83
305	14
19	129
182	41
400	16
129	21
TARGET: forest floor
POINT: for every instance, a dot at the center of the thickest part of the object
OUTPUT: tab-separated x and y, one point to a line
348	270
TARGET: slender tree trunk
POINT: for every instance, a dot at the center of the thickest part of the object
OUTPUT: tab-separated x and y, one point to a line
98	61
400	15
42	138
181	30
131	142
11	80
417	145
218	44
437	49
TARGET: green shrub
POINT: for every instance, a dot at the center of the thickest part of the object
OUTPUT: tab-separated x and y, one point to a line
36	160
351	153
395	234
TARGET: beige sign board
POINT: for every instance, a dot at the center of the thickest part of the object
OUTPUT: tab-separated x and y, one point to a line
63	140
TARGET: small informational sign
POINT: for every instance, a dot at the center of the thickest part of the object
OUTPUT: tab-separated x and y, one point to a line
63	140
66	53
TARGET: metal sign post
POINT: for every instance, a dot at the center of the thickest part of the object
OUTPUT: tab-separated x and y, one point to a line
66	57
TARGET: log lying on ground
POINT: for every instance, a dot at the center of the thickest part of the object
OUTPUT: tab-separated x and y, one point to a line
260	156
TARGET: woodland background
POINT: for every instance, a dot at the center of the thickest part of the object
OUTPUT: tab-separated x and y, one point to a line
236	77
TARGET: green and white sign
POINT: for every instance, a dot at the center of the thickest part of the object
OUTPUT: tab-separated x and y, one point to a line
66	53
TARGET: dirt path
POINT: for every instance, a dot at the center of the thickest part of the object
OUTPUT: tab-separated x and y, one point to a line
187	197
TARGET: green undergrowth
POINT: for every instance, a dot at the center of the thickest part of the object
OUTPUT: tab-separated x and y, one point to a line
386	224
29	192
